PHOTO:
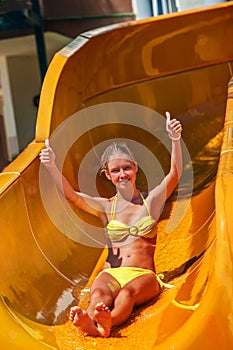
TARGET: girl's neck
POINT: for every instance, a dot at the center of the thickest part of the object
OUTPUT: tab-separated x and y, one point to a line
129	196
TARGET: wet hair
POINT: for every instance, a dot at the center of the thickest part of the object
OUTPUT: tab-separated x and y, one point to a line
115	148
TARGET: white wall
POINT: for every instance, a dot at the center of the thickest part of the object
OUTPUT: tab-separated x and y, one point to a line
20	82
191	4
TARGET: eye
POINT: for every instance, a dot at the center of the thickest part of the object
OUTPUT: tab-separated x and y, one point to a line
114	170
128	167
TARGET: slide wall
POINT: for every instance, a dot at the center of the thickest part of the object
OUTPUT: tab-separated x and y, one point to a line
117	82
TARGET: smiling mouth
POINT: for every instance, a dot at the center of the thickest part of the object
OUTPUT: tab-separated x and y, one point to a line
125	181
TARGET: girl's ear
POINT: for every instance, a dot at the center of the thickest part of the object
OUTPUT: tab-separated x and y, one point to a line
136	166
107	174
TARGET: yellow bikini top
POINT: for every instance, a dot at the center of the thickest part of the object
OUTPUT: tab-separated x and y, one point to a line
117	231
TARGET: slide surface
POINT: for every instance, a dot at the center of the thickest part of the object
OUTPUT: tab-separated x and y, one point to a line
117	82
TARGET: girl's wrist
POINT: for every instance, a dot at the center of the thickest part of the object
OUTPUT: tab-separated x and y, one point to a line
174	138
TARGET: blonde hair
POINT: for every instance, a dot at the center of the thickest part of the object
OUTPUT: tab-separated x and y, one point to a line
115	148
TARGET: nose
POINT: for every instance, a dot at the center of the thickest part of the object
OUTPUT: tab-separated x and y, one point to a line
122	173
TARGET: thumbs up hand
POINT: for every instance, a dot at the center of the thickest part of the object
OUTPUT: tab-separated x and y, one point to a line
47	155
173	127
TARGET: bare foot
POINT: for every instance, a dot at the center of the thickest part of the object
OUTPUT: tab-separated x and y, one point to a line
103	317
81	320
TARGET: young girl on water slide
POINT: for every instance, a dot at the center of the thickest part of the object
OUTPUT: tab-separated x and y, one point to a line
130	220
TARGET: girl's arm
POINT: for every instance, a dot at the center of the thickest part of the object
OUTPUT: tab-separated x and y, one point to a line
165	189
174	129
91	205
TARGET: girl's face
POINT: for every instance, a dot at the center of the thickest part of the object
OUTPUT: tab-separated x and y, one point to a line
121	171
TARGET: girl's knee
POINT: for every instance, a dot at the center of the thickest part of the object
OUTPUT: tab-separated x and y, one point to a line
100	294
127	293
97	292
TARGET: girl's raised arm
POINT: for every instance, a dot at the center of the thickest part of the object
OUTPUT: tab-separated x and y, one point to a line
165	189
90	204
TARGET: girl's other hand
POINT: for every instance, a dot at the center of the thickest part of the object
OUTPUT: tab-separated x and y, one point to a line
47	156
173	127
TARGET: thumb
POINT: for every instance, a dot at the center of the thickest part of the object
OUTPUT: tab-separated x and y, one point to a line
168	116
47	143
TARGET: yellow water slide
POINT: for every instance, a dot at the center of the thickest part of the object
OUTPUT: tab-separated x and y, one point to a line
117	82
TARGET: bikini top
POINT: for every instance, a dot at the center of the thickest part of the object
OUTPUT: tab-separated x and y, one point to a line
117	231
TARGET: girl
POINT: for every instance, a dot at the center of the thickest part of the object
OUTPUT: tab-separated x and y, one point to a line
130	220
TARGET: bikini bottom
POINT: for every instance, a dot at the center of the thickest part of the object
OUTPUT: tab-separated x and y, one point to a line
125	274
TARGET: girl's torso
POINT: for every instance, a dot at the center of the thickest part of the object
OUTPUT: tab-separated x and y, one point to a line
131	231
130	219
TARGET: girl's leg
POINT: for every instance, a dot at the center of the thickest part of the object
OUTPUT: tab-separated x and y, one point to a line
137	292
106	293
103	291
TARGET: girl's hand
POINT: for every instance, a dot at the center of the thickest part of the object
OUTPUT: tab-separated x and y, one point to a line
47	156
173	127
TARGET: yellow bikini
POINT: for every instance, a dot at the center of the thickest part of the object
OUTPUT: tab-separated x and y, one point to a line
117	231
124	275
